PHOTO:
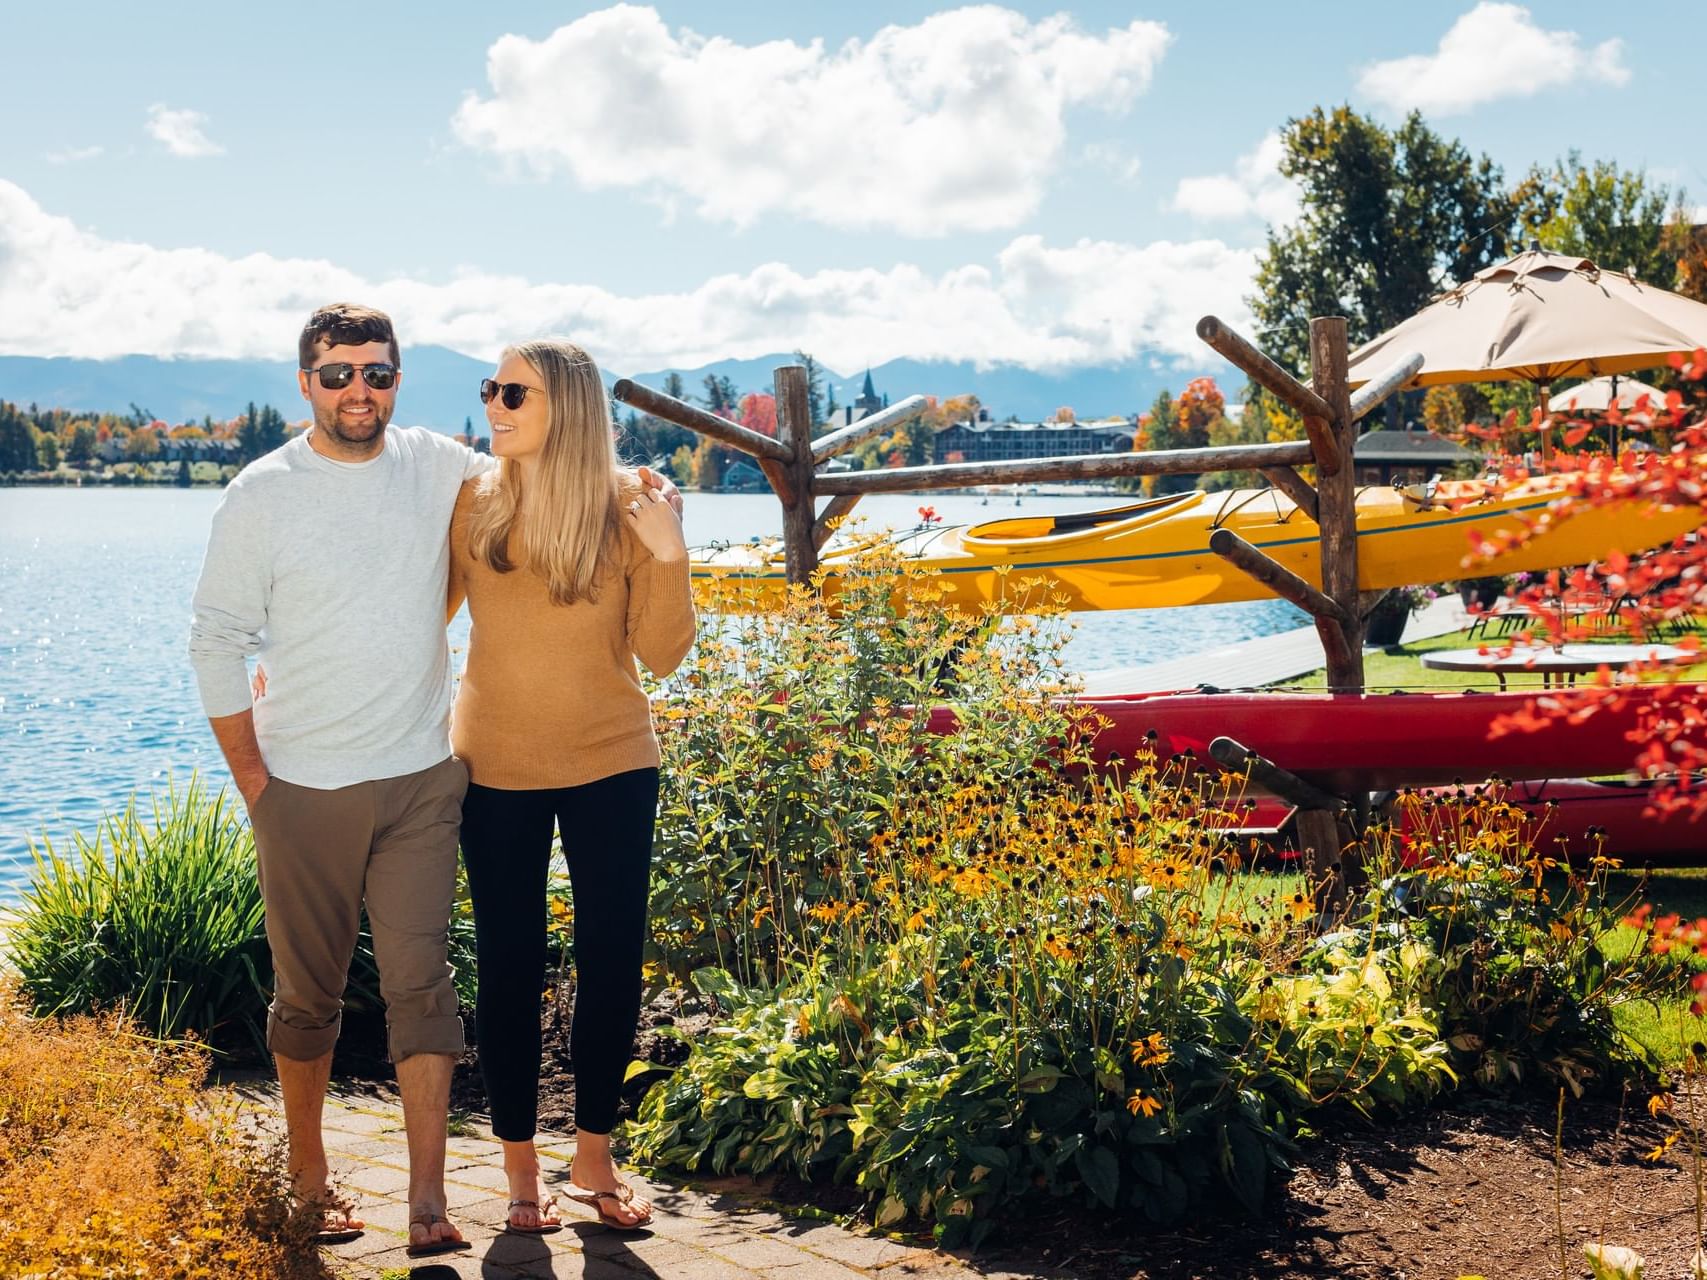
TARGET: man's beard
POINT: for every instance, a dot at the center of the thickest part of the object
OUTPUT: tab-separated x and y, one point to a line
356	434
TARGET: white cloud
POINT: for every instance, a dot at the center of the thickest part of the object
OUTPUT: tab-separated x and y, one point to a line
1494	51
181	131
66	291
952	124
73	155
1254	189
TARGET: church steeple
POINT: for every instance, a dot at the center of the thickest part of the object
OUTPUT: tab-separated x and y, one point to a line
869	401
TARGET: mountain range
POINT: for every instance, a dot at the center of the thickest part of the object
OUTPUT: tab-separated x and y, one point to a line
439	385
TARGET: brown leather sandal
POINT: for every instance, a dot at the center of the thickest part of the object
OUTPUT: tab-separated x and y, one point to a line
544	1227
327	1232
595	1200
426	1220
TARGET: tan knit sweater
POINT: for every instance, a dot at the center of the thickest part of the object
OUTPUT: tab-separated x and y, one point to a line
550	696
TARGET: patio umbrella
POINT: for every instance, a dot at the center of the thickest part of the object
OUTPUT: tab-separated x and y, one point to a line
1539	317
1599	394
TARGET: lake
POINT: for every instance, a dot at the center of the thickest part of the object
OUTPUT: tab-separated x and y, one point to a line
96	697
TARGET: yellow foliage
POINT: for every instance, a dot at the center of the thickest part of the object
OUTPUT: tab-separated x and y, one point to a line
114	1163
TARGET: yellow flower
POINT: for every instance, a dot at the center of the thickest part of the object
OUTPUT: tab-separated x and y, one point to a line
1301	906
1150	1051
1658	1153
1167	874
1141	1102
1659	1104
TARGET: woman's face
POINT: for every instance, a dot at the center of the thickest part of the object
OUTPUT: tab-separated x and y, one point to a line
518	433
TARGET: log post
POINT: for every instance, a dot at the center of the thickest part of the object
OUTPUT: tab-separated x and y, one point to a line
1342	640
1296	487
794	431
834	510
1336	496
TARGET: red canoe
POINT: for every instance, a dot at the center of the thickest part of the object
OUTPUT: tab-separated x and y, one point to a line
1580	817
1574	819
1377	741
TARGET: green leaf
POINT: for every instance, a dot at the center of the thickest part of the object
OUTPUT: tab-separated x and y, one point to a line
639	1067
1040	1079
1101	1172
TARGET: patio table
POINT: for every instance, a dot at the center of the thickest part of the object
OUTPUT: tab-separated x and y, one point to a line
1559	666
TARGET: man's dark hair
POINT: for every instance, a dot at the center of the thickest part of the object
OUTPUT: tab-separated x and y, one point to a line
344	324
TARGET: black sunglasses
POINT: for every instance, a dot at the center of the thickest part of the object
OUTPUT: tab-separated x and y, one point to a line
335	377
511	393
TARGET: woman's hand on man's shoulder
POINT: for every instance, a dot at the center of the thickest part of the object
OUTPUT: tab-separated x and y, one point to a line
663	484
656	524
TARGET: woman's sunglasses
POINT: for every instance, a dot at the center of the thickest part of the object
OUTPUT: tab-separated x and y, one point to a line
335	377
511	393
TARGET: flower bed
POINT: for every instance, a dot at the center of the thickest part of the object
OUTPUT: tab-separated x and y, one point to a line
952	977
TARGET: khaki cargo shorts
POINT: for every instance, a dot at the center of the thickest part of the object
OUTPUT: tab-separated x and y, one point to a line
390	845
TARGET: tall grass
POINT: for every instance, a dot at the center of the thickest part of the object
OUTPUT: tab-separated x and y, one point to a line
159	915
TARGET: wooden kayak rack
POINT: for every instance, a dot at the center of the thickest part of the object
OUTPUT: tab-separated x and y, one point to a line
791	462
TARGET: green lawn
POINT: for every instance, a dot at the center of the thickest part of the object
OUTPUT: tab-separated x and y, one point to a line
1398	667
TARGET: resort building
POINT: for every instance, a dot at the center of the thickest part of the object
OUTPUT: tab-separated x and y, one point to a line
982	440
1407	457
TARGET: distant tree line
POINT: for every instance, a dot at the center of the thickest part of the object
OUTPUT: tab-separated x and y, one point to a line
35	440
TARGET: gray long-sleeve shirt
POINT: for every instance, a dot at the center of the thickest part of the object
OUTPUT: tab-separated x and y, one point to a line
333	575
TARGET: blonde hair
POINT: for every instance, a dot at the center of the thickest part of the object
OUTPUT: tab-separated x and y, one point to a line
567	523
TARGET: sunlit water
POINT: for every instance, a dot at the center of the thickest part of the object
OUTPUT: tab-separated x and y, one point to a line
96	697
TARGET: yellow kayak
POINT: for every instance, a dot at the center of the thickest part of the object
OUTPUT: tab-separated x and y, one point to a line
1155	554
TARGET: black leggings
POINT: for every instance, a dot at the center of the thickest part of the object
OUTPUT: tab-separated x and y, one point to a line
506	845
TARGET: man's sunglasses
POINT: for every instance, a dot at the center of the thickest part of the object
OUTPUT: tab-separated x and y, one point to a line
511	393
335	377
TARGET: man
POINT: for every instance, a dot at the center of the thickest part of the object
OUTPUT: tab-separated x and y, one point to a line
328	560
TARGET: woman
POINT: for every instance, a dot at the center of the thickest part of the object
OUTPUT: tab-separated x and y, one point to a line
572	569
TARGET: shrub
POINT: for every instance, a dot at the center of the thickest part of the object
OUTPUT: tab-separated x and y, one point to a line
161	917
789	742
112	1164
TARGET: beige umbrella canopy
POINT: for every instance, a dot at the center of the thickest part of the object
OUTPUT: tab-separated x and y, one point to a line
1599	394
1539	317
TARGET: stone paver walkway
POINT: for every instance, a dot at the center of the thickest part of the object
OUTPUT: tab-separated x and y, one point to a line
714	1232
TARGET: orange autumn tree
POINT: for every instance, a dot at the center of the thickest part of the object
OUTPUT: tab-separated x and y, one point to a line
758	413
1636	594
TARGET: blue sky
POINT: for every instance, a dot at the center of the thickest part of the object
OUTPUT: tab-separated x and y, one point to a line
681	182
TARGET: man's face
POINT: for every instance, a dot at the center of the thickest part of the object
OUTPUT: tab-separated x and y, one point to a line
354	417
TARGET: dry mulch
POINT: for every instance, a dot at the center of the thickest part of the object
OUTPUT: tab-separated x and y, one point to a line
1466	1191
1469	1190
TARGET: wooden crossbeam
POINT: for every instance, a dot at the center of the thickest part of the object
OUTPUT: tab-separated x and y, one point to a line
1263	371
834	510
1296	487
1235	757
1090	466
694	418
1384	384
1277	578
828	446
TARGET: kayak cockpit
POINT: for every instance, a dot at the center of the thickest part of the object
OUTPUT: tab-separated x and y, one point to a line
1076	525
